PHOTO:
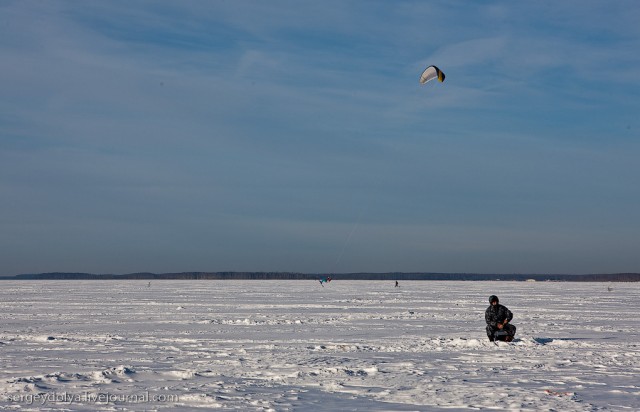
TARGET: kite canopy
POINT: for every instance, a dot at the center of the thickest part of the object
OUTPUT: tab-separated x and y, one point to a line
430	73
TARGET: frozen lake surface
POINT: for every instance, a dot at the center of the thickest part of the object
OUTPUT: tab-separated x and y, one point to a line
294	345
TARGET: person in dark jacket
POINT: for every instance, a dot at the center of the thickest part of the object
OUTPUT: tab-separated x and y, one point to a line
498	319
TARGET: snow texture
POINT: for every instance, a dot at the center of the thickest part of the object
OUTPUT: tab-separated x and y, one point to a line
294	345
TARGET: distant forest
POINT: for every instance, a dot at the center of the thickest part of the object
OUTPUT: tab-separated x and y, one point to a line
610	277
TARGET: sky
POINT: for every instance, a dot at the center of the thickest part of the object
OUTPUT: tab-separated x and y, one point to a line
294	136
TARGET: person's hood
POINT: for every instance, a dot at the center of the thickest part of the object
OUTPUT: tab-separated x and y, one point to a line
492	298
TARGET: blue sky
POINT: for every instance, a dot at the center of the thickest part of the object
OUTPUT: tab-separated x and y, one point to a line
294	136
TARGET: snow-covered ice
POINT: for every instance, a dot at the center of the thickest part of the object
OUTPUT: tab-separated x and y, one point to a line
294	345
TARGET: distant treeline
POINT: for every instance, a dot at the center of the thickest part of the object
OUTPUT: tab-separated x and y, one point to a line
609	277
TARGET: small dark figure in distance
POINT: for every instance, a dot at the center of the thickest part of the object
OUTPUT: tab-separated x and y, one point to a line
498	318
397	285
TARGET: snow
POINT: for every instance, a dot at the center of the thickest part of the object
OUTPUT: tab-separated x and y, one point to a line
293	345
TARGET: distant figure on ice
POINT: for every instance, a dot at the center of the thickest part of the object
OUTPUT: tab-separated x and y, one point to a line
498	318
397	285
325	280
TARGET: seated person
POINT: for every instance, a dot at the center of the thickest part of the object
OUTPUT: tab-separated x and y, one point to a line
498	318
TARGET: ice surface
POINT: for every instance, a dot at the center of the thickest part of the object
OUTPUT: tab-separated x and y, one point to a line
294	345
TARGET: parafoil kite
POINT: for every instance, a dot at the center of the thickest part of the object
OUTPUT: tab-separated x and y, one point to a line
430	73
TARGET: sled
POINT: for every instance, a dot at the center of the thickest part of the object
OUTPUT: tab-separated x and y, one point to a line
502	335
